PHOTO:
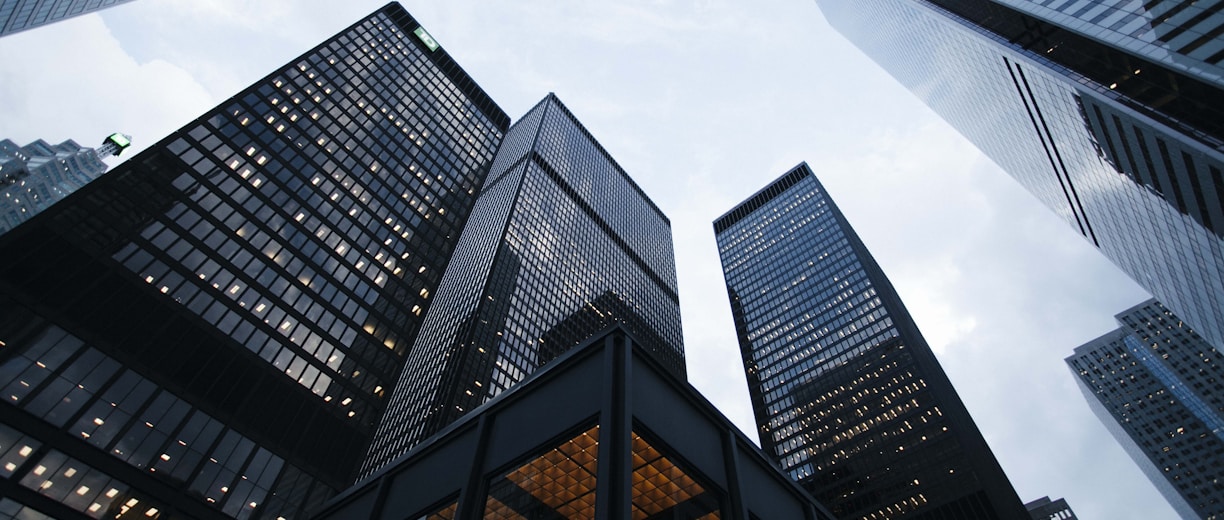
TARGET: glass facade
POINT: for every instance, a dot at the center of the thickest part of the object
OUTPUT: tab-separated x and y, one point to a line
1123	145
37	175
1181	35
1159	388
848	397
218	321
606	432
561	244
19	15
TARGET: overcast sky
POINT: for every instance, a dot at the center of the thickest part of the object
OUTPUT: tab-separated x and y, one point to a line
703	102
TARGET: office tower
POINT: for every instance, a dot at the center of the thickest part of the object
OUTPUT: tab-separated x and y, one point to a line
1045	509
607	432
848	397
1159	389
35	176
211	329
1108	112
19	15
561	244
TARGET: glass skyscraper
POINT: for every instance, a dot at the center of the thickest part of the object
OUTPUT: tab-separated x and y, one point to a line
1046	509
848	397
212	329
1183	36
37	175
1159	389
19	15
1106	111
561	244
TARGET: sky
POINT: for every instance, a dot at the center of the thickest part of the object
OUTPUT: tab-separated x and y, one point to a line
703	102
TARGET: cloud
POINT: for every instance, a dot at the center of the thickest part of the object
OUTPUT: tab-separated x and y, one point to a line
72	80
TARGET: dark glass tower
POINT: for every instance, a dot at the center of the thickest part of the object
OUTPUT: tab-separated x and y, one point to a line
211	329
1106	111
848	397
604	432
1046	509
1159	389
19	15
561	244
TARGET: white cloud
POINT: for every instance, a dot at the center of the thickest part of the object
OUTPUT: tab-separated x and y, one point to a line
71	80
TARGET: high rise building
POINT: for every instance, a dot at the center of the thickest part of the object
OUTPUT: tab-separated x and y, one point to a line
211	329
19	15
849	399
35	176
561	244
1045	509
606	432
1159	389
1108	112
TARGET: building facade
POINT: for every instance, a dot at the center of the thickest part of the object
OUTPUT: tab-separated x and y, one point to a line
608	431
1107	112
20	15
1183	36
211	329
848	397
1159	389
1046	509
37	175
561	244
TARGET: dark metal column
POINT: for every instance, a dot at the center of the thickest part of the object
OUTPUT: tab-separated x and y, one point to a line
738	510
471	496
615	432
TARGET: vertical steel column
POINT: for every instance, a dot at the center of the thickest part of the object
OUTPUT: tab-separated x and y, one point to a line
380	495
615	432
739	510
470	503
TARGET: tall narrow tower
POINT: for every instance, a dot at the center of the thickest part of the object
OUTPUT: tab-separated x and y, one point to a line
561	244
1106	111
211	330
848	397
1159	389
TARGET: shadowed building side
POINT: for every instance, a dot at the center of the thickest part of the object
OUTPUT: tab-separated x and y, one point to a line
848	397
210	330
1158	387
605	431
558	228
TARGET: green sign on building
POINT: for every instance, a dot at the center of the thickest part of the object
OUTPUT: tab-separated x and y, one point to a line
426	38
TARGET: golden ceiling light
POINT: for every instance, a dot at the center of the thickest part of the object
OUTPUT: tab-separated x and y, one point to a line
562	479
447	513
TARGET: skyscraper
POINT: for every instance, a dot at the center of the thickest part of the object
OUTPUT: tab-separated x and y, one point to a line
35	176
19	15
1045	509
606	432
1159	389
848	397
561	244
211	329
1107	112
